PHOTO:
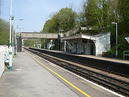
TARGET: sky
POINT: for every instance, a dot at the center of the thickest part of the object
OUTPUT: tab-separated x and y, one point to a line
35	12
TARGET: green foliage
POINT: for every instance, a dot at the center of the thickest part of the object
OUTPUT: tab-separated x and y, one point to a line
97	16
47	26
50	26
4	32
64	20
123	22
122	45
90	11
123	7
29	43
44	43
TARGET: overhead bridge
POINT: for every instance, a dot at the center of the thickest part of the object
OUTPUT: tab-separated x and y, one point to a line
37	35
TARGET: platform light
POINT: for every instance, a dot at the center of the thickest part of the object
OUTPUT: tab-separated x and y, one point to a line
116	37
10	37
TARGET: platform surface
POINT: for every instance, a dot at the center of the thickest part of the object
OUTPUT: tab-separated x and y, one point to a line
28	79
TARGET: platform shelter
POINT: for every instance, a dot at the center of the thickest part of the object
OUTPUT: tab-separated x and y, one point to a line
87	44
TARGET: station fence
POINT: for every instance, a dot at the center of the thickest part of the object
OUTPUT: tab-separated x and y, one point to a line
3	50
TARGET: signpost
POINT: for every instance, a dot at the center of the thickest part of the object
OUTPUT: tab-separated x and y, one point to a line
10	38
127	39
126	53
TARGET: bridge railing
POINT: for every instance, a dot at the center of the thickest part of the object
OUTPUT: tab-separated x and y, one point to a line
39	35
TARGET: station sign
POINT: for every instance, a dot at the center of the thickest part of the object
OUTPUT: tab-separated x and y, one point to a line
127	39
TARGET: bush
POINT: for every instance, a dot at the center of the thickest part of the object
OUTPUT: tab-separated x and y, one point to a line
110	54
4	32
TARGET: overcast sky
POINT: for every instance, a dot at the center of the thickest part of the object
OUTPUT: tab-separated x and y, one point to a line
35	12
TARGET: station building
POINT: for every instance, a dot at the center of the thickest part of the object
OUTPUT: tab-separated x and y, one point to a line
87	44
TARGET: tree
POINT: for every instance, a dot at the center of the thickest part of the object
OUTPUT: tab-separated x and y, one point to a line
50	26
64	20
123	6
118	13
4	32
98	14
29	43
90	12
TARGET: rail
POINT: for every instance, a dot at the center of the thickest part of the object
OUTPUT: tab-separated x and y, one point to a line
118	68
119	86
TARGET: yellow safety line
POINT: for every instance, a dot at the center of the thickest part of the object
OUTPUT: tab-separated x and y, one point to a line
75	87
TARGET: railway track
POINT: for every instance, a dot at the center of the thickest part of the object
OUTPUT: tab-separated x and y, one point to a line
111	83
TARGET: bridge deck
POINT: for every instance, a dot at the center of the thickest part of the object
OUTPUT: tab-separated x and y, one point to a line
32	35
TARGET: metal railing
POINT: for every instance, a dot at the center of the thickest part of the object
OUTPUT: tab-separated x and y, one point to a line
125	54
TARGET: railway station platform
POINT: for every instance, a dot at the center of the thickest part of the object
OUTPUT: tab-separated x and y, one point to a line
28	79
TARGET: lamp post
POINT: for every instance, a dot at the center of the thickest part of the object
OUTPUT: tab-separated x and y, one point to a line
10	37
116	37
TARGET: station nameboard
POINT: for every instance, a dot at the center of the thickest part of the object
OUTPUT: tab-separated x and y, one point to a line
127	38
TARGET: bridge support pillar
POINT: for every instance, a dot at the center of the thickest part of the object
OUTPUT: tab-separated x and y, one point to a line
19	44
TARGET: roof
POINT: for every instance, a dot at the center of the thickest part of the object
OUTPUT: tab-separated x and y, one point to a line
84	36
